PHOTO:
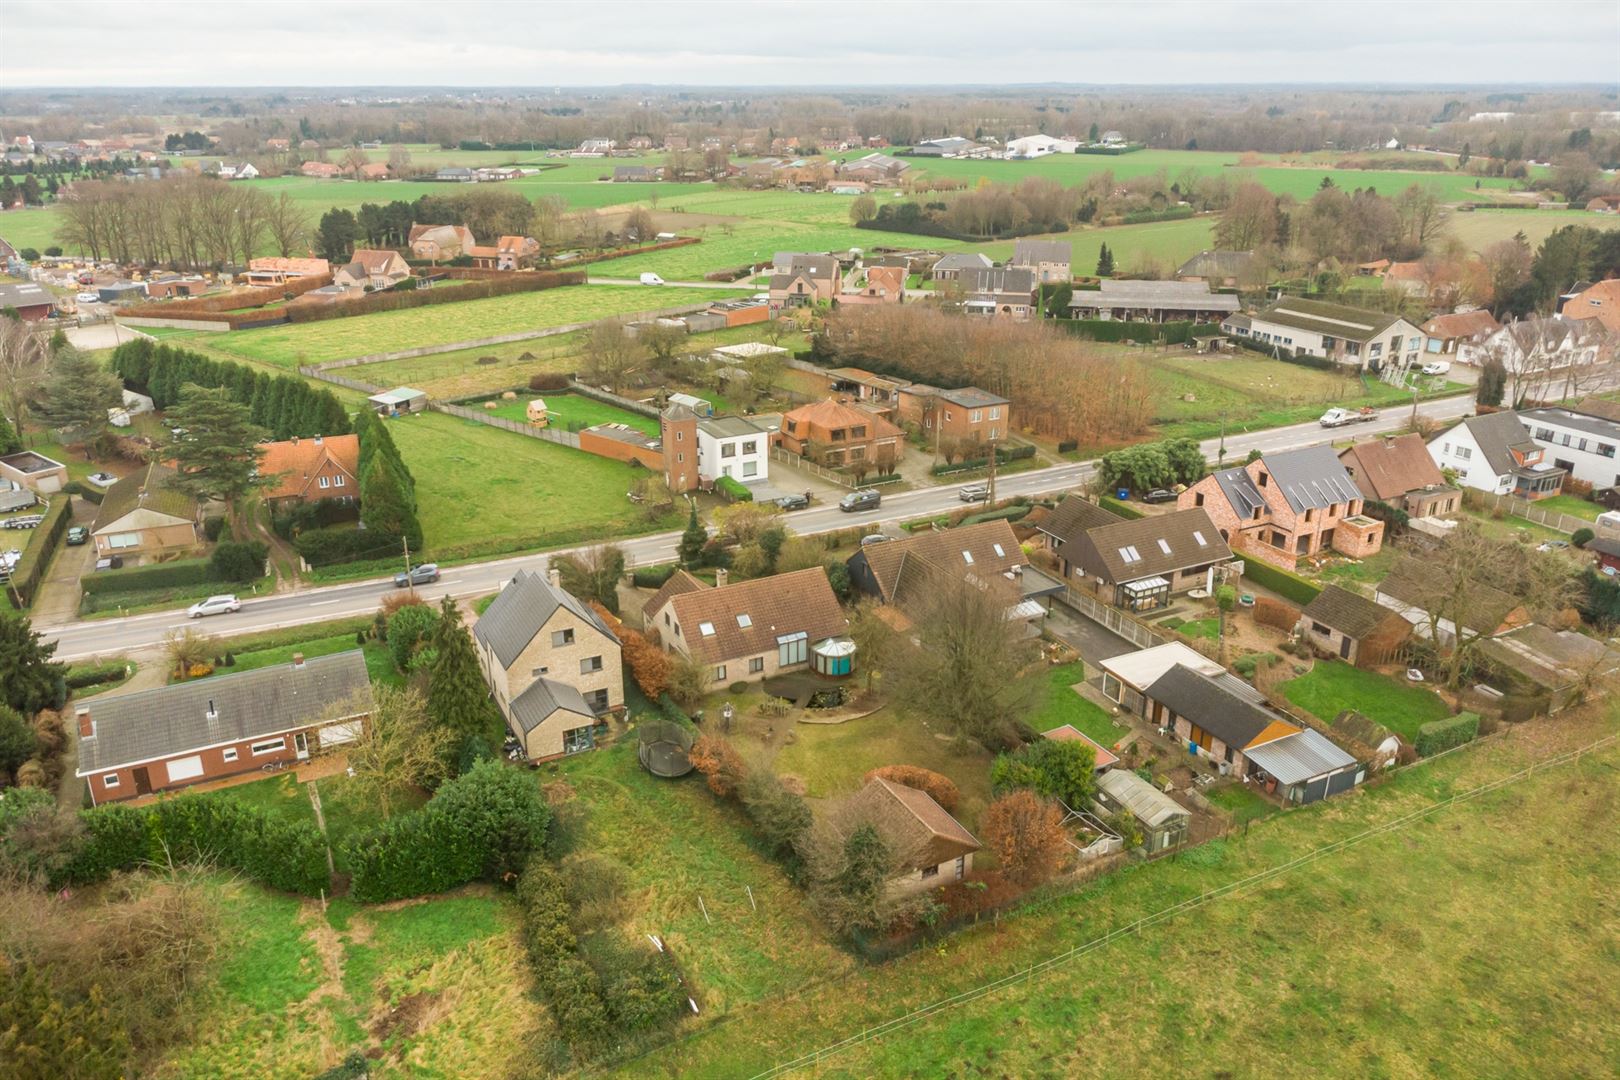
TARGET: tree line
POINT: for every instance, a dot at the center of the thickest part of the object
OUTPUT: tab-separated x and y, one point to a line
181	221
283	405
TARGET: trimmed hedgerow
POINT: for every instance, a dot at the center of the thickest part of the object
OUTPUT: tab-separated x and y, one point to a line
1288	586
1440	735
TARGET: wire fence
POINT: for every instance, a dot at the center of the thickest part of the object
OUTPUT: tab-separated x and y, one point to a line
1165	914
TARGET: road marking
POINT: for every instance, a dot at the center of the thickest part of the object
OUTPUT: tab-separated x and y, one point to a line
323	603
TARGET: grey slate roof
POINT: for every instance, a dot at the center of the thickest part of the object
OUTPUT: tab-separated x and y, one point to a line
522	608
1239	488
542	699
1217	264
1155	295
1311	478
24	295
1030	252
1003	279
1293	759
1347	612
963	260
1334	320
971	397
1213	704
169	720
1076	515
1495	433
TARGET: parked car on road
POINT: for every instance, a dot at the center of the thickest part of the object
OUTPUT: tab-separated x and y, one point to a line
77	535
973	493
214	605
794	502
1159	495
651	279
88	298
865	499
425	574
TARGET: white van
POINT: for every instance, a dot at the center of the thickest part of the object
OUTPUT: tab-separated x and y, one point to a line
651	279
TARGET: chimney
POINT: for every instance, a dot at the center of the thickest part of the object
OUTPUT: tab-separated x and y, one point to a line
295	440
87	726
1389	441
298	665
720	577
554	575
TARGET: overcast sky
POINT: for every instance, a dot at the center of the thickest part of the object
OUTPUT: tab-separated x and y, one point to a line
70	43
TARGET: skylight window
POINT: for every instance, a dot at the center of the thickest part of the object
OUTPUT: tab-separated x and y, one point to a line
997	549
1130	554
745	621
1198	536
1164	545
967	557
706	629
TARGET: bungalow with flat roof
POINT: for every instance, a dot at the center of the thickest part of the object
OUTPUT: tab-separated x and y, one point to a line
1557	667
34	471
401	399
1152	301
1353	628
1397	470
171	737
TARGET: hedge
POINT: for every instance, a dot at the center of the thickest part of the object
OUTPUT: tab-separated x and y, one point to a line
1171	333
1124	510
478	289
323	547
572	989
1287	585
1003	456
1006	513
653	577
95	675
31	567
272	850
1142	217
88	492
167	575
483	824
733	489
1440	735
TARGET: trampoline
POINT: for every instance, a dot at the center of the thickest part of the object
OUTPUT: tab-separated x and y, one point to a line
662	748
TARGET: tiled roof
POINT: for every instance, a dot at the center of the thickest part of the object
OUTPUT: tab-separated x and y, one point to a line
1069	733
1387	468
1600	301
375	261
522	608
914	822
987	549
1212	704
169	720
298	460
1076	515
1347	612
146	489
1466	324
679	582
1154	545
833	415
278	264
1030	252
747	618
1001	279
1310	478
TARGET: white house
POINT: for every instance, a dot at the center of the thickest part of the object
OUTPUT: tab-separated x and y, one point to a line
1369	340
1581	444
1034	146
1495	453
236	171
1540	353
735	447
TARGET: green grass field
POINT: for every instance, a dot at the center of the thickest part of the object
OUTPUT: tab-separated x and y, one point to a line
1480	229
1410	954
481	490
1331	687
1061	705
392	331
567	409
1572	505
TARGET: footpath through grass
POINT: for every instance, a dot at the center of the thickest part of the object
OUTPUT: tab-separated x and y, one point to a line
1410	953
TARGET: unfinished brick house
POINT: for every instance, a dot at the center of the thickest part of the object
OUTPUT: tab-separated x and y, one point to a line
1288	506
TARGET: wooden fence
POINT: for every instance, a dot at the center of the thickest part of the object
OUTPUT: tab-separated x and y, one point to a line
1552	519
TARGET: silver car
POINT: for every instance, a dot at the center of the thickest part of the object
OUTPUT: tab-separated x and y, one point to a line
214	605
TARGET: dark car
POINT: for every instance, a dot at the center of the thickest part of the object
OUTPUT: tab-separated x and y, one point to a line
865	499
1159	495
794	502
425	574
77	535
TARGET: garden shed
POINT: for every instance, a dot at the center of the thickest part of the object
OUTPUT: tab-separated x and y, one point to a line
1306	767
401	399
1164	821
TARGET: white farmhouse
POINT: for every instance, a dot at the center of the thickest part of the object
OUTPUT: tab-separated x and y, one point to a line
1542	355
1369	340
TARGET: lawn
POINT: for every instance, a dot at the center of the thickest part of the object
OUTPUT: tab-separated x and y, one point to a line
1348	574
346	814
1571	505
833	759
1194	628
391	331
1331	687
1375	975
677	843
528	493
1061	705
483	369
567	410
1241	802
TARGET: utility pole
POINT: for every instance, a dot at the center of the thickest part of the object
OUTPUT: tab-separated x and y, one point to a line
991	487
408	582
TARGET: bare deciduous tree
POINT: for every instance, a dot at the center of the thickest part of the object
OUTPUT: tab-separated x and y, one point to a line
399	747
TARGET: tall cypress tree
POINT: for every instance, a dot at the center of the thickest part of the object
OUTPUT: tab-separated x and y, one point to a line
383	509
692	540
458	698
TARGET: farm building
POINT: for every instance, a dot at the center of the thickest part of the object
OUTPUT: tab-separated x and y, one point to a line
401	399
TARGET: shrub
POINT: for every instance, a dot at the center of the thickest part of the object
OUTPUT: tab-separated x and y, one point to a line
733	490
719	763
84	675
939	788
1581	537
30	568
168	575
649	665
1287	585
212	527
1006	513
549	380
1026	833
1439	735
1226	597
408	627
1274	613
238	561
483	824
782	818
653	577
324	547
572	990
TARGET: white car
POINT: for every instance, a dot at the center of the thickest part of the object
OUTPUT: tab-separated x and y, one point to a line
1436	367
214	605
88	298
651	279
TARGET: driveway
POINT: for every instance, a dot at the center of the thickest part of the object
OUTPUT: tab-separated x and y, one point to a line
58	598
1094	642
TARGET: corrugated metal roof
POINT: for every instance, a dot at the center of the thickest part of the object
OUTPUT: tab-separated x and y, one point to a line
1145	802
169	720
1295	758
1141	668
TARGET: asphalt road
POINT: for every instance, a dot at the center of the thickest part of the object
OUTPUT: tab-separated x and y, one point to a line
101	637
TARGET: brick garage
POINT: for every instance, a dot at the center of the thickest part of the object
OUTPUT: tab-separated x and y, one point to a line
622	442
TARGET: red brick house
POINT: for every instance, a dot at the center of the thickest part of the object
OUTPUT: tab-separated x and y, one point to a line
308	470
204	729
967	415
836	434
1288	506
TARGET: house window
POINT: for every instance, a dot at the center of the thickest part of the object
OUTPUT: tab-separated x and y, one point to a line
577	739
961	866
750	447
975	415
110	780
1308	513
1198	498
792	648
324	482
1544	434
1262	479
995	414
750	468
337	481
720	673
269	746
947	414
756	665
1605	449
559	638
706	629
680	435
1464	453
728	449
1317	627
124	540
230	753
930	871
590	664
597	700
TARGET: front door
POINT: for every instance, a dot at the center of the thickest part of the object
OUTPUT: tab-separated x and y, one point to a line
301	745
143	781
1344	648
